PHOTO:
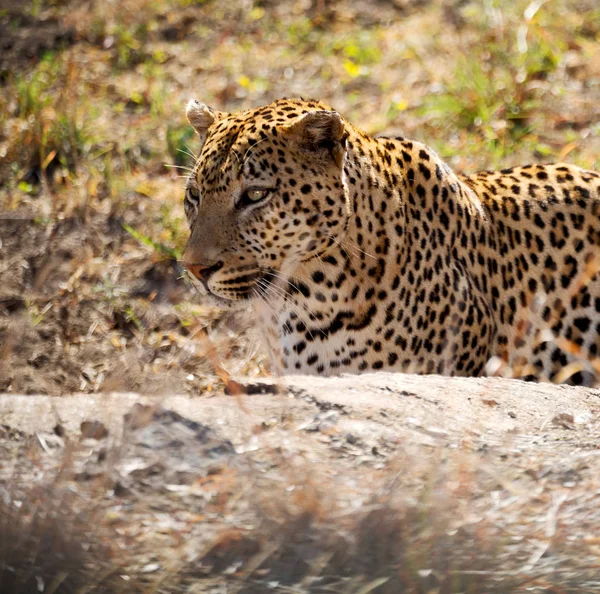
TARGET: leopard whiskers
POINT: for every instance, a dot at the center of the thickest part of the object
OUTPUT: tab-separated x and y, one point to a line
187	152
299	309
351	245
343	248
280	276
295	310
182	167
321	264
262	294
250	149
191	152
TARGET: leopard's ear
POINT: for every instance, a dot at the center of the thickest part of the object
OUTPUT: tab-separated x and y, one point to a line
322	129
201	117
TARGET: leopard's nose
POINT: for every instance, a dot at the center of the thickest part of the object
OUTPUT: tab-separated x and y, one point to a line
203	270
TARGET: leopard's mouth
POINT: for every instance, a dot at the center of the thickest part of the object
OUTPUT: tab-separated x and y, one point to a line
253	283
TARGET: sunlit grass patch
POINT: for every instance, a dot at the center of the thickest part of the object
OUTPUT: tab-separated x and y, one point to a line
55	133
494	94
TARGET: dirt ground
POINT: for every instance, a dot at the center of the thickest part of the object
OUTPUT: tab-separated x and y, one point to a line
82	340
125	446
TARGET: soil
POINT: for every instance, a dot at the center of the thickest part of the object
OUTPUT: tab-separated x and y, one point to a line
53	271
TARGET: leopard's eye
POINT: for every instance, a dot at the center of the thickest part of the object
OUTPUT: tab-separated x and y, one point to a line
193	195
191	201
253	196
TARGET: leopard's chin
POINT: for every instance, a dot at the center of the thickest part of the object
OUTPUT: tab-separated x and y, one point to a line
227	303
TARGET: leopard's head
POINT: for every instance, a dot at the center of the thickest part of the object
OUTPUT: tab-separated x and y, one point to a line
266	193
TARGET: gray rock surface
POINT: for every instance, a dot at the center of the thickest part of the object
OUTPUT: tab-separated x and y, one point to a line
522	458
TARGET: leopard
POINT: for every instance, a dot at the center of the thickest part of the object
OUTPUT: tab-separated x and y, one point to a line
362	253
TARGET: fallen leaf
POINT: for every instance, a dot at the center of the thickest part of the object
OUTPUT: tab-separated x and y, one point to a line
490	402
564	420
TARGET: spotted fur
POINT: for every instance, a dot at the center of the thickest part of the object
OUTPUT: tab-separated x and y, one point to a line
362	253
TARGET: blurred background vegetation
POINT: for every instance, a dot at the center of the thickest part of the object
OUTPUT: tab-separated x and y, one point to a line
93	141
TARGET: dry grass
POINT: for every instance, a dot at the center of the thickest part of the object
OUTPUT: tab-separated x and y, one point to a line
49	544
443	541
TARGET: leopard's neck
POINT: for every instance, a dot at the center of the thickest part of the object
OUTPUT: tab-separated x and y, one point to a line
377	272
